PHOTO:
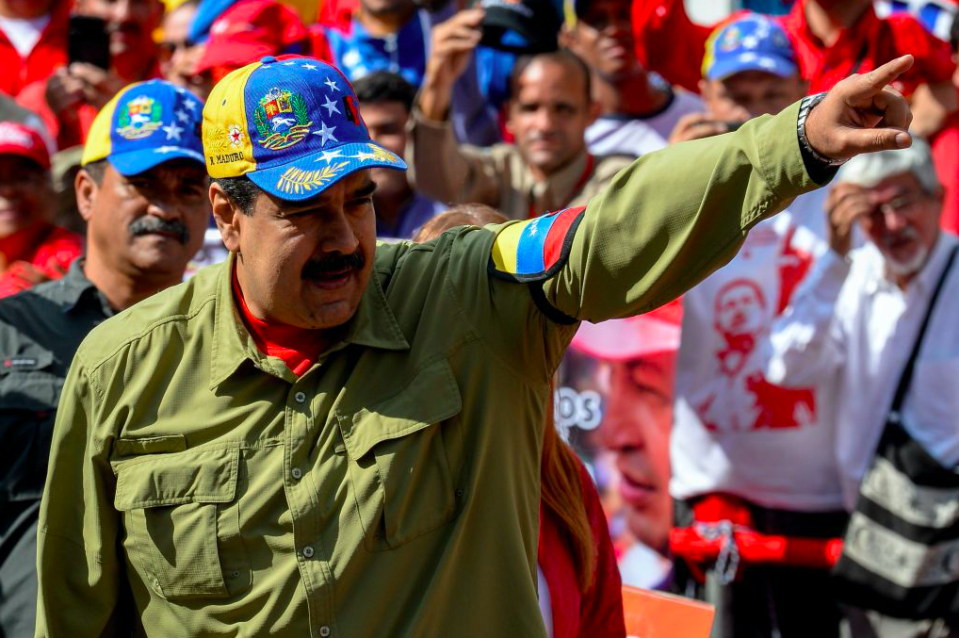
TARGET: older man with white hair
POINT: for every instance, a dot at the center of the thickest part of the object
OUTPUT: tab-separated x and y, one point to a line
869	326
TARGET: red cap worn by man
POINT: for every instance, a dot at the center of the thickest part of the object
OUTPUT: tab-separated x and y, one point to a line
32	249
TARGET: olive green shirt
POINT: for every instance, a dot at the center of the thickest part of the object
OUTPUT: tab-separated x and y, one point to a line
197	488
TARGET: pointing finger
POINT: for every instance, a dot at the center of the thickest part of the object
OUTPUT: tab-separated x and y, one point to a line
881	77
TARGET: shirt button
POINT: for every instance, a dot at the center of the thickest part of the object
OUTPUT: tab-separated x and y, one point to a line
324	631
308	552
297	473
299	397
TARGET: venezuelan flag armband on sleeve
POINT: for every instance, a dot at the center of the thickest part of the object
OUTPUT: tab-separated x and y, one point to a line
535	249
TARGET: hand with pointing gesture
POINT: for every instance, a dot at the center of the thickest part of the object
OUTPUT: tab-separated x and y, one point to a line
862	114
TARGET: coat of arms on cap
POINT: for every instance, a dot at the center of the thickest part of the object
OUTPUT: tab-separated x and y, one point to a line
281	119
139	118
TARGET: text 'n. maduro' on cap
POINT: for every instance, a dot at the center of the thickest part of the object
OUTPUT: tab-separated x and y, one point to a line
144	125
292	125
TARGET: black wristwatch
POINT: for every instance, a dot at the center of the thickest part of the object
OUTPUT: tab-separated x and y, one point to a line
805	108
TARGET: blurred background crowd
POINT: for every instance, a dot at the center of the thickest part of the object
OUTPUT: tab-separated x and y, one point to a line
758	399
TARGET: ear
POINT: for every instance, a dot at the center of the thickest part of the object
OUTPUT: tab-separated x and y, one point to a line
86	189
595	110
508	124
567	38
227	216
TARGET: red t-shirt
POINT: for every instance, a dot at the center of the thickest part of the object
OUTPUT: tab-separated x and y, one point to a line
598	614
298	348
48	53
668	42
52	256
945	154
869	43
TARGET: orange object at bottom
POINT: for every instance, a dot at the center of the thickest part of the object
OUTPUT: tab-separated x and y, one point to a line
653	614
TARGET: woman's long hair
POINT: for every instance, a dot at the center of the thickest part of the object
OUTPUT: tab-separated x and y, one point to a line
562	494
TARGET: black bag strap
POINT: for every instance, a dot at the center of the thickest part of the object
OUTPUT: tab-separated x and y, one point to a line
906	379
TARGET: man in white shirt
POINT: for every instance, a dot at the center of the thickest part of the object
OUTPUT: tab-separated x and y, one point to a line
745	449
853	323
638	109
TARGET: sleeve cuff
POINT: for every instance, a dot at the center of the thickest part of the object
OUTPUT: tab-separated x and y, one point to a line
828	276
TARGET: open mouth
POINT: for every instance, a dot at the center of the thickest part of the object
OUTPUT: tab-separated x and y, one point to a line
332	279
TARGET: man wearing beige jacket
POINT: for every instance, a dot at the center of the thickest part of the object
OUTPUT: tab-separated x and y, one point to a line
548	168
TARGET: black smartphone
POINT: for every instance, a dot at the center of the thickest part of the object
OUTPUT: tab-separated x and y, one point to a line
88	41
733	126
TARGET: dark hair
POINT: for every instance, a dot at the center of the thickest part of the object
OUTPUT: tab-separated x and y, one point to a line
383	86
561	56
239	190
954	34
96	170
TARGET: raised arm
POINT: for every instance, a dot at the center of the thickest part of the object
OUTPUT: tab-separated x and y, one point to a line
676	215
438	165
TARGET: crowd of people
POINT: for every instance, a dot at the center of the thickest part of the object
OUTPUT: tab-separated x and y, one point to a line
754	409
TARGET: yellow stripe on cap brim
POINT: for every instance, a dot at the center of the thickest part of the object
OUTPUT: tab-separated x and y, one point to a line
99	144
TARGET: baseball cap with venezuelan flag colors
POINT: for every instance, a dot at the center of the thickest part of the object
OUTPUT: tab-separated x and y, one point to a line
144	125
749	43
292	125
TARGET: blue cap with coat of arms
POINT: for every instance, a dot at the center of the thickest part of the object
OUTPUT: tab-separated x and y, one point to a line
292	125
145	124
750	43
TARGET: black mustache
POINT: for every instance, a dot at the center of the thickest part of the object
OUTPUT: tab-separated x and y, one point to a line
149	224
337	262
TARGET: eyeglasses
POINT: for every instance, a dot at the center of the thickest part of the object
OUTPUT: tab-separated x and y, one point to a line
904	205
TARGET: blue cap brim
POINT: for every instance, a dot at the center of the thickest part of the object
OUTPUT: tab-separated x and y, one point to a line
136	162
726	67
309	176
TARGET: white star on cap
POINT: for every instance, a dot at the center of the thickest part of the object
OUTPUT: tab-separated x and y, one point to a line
328	155
326	133
182	115
172	131
330	83
289	64
166	149
311	67
191	104
364	156
330	106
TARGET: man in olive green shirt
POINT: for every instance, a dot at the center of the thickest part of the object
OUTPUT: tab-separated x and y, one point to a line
325	437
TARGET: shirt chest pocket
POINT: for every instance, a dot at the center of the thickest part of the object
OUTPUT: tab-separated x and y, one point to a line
181	518
399	468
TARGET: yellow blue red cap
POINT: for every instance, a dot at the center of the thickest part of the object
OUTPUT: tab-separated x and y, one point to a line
145	124
292	125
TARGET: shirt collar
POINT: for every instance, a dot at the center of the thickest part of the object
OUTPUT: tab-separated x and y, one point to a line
374	325
927	278
556	191
76	287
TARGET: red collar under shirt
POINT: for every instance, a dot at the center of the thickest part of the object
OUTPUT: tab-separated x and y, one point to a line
298	348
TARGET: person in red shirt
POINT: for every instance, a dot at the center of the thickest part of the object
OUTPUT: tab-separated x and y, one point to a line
668	42
70	98
32	249
33	41
834	39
